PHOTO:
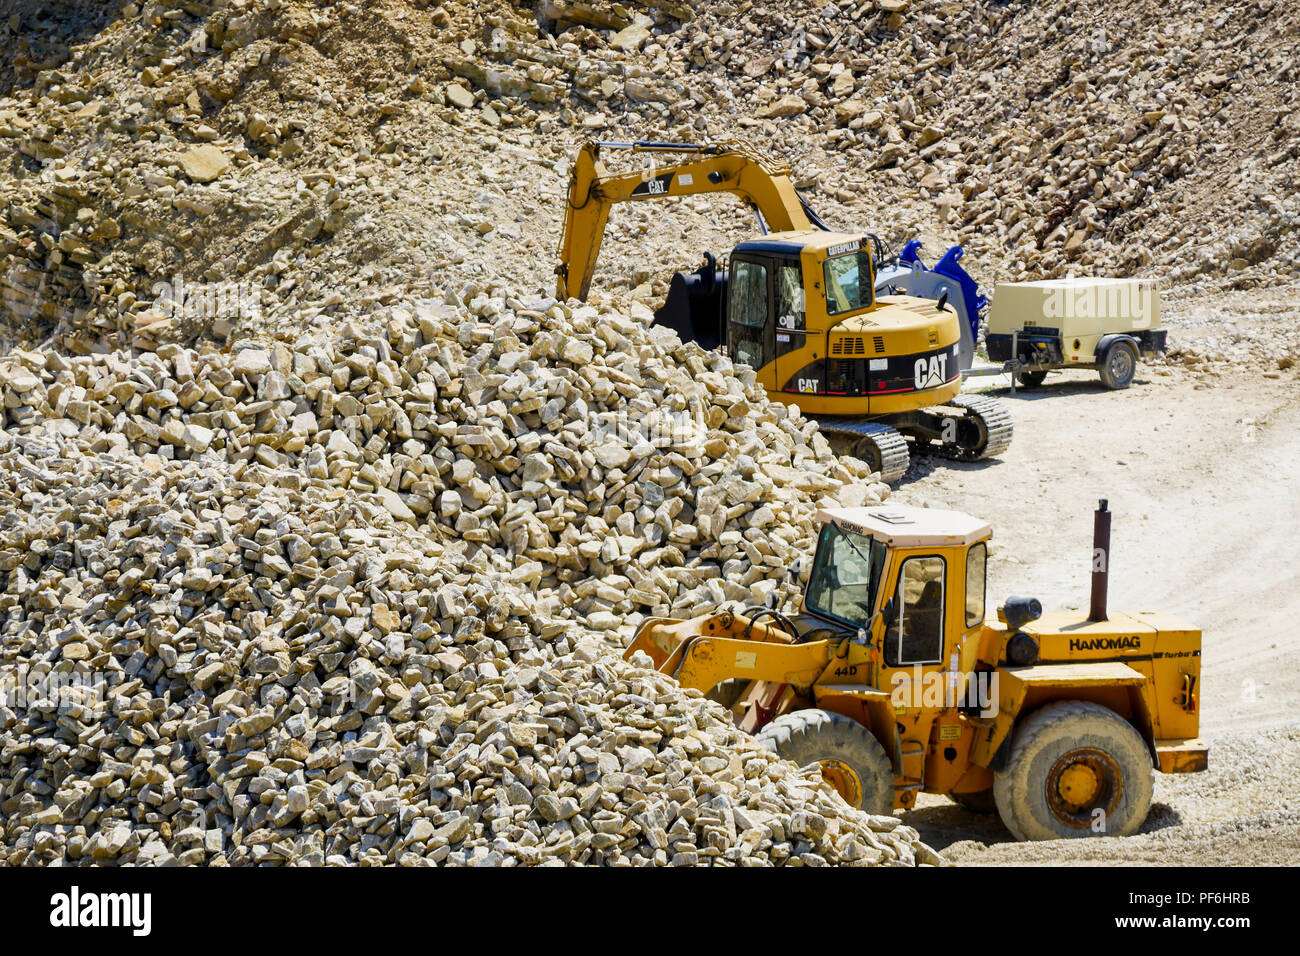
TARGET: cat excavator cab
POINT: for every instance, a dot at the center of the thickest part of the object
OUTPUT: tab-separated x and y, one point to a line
818	314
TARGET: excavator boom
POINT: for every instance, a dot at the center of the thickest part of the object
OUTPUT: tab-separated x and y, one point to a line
721	168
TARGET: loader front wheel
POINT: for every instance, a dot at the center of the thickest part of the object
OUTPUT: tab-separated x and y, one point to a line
852	760
1076	769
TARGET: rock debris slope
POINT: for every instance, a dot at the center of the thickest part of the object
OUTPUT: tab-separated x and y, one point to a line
341	600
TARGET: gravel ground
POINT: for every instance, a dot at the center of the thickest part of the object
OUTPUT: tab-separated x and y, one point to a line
1243	811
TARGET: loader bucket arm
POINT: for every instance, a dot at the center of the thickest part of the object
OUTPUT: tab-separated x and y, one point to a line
721	168
707	661
702	652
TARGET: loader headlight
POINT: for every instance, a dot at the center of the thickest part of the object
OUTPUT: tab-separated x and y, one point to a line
1022	649
1016	612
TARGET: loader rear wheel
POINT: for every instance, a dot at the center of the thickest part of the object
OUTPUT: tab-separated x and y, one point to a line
977	801
1076	769
852	760
1119	365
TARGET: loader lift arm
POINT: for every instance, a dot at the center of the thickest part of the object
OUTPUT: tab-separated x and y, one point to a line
765	186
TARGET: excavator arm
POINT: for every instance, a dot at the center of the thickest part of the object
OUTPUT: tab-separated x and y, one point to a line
727	168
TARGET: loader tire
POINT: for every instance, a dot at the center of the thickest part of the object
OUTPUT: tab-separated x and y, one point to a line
977	801
1076	769
1119	365
852	760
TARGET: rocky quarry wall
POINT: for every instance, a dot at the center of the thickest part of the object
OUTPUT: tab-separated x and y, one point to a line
326	155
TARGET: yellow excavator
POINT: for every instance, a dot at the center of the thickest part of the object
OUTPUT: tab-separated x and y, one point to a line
824	317
892	680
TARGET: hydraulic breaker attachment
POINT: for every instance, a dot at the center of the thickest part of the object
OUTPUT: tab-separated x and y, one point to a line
910	276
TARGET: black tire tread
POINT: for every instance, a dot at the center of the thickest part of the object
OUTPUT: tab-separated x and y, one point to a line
1046	722
806	736
1104	367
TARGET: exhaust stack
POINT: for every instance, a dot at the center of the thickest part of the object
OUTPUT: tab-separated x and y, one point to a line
1100	561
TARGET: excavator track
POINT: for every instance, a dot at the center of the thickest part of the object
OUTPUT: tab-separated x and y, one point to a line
881	446
994	423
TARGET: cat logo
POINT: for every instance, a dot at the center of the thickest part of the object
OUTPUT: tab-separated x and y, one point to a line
931	372
654	185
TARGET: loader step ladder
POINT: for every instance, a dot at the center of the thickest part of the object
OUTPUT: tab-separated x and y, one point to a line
905	790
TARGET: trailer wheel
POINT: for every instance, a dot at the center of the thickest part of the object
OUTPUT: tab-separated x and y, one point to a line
852	760
1076	769
1119	365
1031	379
977	801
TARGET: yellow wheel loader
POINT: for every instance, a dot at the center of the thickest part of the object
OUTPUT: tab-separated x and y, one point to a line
893	681
816	313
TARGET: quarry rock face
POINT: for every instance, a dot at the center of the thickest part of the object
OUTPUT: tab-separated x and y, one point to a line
297	164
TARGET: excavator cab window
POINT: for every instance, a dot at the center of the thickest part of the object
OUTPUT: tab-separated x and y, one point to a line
848	281
748	311
791	313
845	576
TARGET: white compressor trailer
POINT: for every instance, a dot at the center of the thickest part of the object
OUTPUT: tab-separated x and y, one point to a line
1103	324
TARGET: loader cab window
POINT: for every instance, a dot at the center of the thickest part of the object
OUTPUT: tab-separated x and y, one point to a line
747	312
845	576
919	634
848	282
976	560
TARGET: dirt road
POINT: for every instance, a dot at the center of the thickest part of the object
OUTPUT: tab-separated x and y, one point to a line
1202	472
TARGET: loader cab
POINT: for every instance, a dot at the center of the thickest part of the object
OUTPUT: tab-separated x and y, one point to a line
912	578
